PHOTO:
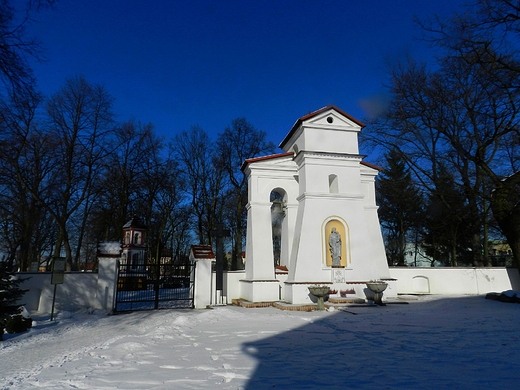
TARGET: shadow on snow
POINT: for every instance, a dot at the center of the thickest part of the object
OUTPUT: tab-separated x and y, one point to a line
444	343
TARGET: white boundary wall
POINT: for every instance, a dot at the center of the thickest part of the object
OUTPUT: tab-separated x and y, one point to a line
205	282
96	290
446	281
82	290
441	281
79	289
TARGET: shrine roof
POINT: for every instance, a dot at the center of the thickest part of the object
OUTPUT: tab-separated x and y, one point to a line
289	154
373	166
315	113
202	252
265	158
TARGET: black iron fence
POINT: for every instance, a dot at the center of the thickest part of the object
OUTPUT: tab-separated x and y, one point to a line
155	286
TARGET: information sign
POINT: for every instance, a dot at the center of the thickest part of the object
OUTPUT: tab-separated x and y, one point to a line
58	271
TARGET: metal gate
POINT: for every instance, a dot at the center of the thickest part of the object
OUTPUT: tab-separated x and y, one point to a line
155	286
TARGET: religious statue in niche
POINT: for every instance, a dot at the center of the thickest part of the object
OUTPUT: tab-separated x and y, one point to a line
335	247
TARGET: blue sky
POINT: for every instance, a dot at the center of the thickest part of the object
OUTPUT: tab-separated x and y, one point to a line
206	62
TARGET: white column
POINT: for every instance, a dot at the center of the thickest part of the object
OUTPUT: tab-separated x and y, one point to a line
259	248
289	222
260	284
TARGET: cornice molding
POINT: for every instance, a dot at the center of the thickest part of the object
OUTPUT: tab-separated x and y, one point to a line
328	155
339	197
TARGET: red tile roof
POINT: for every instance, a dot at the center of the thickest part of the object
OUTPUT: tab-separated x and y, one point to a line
288	154
202	252
372	166
264	158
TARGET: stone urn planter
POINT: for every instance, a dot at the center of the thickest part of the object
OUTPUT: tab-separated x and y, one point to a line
319	292
377	287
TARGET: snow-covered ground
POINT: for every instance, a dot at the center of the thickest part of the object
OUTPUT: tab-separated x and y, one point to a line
430	343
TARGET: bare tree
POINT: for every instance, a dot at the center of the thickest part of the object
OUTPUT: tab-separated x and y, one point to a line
120	192
457	117
465	114
204	179
159	197
24	162
237	143
18	106
26	223
79	118
15	45
486	41
140	178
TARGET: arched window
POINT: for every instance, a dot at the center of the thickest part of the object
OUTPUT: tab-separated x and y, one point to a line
277	199
333	184
135	259
127	241
136	238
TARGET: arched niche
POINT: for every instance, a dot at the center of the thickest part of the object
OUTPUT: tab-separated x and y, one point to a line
421	284
278	199
336	226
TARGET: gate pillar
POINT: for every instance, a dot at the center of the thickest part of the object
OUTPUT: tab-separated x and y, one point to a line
203	256
108	255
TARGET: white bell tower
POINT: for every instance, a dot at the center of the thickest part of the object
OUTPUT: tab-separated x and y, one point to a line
134	244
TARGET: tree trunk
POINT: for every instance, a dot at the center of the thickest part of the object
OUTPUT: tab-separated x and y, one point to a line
63	242
453	252
236	262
